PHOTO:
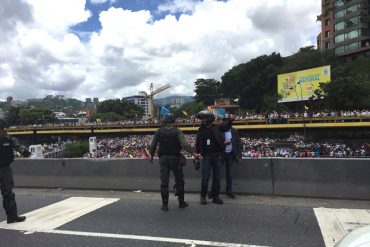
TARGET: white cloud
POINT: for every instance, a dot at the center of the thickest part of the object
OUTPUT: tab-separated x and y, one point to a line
101	1
40	55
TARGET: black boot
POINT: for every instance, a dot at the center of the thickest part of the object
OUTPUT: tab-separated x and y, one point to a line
181	195
10	207
15	219
164	195
183	204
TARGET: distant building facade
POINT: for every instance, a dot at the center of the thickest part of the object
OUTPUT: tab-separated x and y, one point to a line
142	101
345	28
9	99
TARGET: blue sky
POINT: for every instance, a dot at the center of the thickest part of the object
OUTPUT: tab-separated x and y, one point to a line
93	23
116	48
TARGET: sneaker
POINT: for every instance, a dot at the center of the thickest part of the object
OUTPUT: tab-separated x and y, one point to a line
16	219
183	204
218	201
231	195
203	200
164	207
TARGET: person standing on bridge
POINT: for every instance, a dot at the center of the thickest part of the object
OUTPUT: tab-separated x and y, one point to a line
232	152
171	140
210	143
7	147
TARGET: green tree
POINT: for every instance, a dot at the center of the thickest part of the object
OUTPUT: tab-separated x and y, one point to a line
254	83
76	150
207	91
36	115
347	90
115	109
12	116
191	108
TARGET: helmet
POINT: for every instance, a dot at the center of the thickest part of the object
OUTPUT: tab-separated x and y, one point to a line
169	118
2	123
207	115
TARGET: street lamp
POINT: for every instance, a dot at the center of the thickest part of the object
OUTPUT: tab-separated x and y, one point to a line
303	111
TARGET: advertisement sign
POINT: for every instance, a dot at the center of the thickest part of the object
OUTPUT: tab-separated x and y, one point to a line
301	85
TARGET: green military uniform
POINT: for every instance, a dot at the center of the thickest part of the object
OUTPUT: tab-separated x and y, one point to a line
7	147
170	140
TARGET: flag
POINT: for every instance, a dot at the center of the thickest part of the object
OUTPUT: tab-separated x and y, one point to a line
98	120
164	111
185	113
221	112
144	153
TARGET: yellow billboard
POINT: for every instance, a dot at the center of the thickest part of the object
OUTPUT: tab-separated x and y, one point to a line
301	85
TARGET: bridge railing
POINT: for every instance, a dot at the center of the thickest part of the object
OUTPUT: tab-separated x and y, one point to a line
265	121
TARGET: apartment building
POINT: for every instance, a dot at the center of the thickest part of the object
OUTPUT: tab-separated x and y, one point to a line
345	28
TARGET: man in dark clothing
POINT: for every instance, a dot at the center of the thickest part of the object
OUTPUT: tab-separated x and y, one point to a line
210	144
7	147
232	153
171	140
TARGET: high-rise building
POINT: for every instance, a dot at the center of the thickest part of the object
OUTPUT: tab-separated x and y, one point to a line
142	101
9	99
345	27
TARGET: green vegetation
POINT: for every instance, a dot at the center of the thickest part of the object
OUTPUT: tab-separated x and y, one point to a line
76	150
254	83
67	106
115	109
27	116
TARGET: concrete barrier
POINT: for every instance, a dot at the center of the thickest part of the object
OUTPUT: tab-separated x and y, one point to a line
250	176
327	178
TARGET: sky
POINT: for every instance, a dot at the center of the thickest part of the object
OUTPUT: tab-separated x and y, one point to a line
116	48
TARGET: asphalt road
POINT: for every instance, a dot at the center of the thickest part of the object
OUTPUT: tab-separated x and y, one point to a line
135	219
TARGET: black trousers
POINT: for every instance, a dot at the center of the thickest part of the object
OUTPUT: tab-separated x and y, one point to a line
167	164
6	186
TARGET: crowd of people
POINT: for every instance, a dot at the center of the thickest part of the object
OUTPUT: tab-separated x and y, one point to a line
136	146
271	117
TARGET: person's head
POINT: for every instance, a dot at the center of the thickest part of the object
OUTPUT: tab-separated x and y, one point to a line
227	121
169	118
207	117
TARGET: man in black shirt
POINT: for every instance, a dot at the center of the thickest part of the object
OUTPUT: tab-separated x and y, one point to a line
7	146
210	144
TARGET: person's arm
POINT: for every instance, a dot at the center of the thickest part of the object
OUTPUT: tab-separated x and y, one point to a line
184	143
239	146
198	142
19	148
153	145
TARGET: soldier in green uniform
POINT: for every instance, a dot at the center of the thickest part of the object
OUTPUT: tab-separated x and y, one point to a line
7	147
171	140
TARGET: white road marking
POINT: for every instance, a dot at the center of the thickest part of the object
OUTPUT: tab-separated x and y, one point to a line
336	223
57	214
190	242
46	219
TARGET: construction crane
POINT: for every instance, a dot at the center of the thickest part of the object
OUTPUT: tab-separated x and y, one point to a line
151	107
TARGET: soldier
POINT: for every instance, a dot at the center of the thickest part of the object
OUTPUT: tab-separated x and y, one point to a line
170	140
7	147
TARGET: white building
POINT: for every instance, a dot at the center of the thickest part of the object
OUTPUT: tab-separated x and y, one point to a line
142	101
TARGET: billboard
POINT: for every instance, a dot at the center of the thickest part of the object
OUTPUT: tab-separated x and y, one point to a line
301	85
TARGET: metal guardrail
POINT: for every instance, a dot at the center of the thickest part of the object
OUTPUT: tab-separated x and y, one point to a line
269	123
